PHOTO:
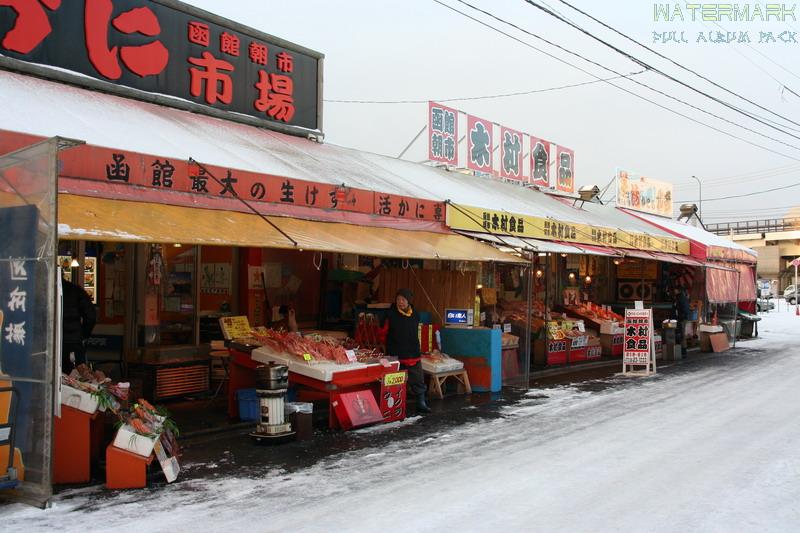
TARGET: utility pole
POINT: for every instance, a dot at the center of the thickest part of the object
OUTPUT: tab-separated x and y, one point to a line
700	187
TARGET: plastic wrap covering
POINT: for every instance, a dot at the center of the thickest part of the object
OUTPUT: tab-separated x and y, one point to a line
721	284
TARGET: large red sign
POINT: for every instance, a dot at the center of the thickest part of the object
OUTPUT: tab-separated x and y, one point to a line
171	175
511	154
442	134
540	162
480	147
167	48
565	170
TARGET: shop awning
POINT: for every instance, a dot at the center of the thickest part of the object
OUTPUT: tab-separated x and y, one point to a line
660	256
82	217
704	244
539	246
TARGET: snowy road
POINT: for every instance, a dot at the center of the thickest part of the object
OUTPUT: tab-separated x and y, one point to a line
712	445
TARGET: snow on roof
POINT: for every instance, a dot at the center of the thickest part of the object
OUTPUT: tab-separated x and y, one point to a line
694	233
46	108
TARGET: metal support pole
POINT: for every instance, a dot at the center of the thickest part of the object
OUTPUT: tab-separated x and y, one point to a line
527	336
736	309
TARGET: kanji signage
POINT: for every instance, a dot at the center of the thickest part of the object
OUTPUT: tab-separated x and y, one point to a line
171	48
540	162
644	194
480	135
442	134
638	348
504	223
511	154
565	169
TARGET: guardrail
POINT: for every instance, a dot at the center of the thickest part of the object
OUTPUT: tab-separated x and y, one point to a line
744	227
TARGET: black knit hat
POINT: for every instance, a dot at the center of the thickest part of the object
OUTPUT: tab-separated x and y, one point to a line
407	294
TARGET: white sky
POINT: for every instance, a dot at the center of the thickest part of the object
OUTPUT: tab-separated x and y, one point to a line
417	49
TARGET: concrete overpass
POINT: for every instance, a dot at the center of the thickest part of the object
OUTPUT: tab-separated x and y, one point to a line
777	241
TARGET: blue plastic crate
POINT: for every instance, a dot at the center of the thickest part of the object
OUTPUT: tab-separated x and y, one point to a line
248	405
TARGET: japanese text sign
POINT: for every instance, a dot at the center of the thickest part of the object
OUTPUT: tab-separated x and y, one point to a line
178	51
540	162
644	194
17	286
442	134
638	342
511	154
480	135
565	170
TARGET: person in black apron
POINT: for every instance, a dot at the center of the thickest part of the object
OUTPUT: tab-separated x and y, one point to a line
402	341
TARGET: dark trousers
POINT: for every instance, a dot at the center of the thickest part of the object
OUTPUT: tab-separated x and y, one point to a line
416	379
80	355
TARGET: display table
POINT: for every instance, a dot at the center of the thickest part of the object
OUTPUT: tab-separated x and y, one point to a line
322	383
438	379
72	444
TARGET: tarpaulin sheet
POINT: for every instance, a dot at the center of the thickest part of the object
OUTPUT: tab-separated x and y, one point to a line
82	217
721	283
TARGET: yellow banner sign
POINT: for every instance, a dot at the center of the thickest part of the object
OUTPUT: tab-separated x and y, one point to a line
504	223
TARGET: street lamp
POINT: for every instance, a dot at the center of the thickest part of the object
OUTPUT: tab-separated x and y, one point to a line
700	187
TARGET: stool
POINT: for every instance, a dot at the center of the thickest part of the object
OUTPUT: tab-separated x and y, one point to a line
222	356
126	470
438	379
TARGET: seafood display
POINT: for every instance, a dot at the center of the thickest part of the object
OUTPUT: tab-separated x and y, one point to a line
98	385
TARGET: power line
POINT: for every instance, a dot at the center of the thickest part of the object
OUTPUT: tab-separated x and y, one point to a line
659	54
741	195
490	96
648	66
608	69
764	172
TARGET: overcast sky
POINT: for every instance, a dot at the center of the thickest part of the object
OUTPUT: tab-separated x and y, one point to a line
419	50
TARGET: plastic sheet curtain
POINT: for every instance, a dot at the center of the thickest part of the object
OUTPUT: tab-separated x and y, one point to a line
27	294
721	283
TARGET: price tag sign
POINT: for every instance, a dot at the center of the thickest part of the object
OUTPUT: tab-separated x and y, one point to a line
351	356
496	326
307	357
395	378
506	328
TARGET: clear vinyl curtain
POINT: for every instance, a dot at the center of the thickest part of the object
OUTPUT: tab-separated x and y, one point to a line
721	284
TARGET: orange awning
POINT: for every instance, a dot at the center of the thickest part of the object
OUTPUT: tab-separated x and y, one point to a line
82	217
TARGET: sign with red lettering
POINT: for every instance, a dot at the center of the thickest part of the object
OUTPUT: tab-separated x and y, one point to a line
442	134
565	170
479	144
511	154
165	49
540	162
638	349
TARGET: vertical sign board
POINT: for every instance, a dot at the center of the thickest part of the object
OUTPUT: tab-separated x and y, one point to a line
638	347
511	154
172	49
442	134
540	162
565	170
480	135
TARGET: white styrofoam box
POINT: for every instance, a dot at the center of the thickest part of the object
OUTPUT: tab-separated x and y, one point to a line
78	399
127	439
322	371
709	328
445	366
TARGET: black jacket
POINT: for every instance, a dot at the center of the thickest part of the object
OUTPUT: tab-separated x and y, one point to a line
79	314
402	339
681	308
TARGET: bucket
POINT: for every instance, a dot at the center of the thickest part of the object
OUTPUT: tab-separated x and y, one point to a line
249	410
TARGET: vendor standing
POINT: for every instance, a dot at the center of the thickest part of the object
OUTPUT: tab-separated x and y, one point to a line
402	341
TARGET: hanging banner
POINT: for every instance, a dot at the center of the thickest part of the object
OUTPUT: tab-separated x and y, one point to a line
476	219
442	134
565	171
479	144
644	194
511	154
540	162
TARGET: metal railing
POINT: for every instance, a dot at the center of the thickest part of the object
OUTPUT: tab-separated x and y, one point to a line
745	227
